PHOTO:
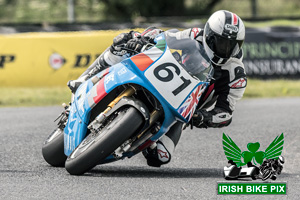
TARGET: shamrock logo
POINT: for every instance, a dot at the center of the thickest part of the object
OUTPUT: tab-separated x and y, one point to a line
252	153
233	152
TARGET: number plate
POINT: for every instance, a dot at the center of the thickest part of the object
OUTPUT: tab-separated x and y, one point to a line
171	80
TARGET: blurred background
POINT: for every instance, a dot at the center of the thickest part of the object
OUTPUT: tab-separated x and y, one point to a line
78	11
45	12
45	43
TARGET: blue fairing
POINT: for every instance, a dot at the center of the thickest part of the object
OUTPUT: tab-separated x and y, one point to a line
76	128
123	73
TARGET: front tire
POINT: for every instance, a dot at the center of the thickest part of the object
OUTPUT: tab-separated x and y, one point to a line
53	149
96	147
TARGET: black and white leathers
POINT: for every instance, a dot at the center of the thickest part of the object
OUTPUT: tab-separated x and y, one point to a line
226	88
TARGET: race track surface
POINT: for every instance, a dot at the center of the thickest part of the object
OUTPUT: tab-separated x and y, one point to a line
192	174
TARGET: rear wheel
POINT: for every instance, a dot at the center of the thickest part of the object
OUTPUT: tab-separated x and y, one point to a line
96	147
53	149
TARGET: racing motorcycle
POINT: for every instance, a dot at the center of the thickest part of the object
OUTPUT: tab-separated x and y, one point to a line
126	108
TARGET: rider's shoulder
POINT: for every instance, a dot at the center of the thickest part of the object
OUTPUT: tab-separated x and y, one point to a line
195	33
235	67
236	60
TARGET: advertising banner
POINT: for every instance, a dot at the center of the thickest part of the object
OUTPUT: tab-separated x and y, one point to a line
272	53
49	59
52	59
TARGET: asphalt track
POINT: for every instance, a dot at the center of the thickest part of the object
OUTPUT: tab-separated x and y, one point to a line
192	174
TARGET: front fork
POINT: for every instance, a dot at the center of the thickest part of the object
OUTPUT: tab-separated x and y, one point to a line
63	117
96	124
150	127
126	93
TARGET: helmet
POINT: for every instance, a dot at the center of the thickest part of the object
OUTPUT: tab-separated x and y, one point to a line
223	36
281	160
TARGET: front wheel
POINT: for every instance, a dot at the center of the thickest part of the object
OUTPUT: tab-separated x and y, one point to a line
96	147
53	149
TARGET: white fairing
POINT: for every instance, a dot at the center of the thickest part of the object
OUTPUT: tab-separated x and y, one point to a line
166	90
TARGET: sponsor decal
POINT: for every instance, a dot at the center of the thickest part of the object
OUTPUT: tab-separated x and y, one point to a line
162	154
231	27
5	59
120	53
56	61
195	32
122	71
109	77
240	83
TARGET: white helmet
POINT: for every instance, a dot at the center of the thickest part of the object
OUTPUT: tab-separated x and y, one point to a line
224	34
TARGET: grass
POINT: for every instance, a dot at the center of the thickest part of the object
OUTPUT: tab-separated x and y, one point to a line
272	88
46	96
37	96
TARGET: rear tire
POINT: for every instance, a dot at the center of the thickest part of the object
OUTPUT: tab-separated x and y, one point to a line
96	147
53	149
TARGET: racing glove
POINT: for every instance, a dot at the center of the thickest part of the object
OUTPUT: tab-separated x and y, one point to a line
147	36
120	41
136	44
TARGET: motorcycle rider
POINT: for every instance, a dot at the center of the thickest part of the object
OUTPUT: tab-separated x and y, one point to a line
222	38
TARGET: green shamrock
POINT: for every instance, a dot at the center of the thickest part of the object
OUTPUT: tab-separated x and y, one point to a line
252	153
233	152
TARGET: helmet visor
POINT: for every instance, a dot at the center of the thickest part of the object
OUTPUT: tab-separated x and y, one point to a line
223	47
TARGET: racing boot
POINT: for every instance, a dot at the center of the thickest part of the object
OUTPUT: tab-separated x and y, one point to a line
99	65
160	153
112	55
74	84
157	155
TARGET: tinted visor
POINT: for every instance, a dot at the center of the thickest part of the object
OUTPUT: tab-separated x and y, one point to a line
223	47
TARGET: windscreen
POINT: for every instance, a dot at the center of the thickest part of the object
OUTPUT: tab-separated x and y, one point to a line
190	54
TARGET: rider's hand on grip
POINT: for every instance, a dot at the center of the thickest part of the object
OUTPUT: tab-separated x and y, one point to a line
117	48
121	39
136	44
